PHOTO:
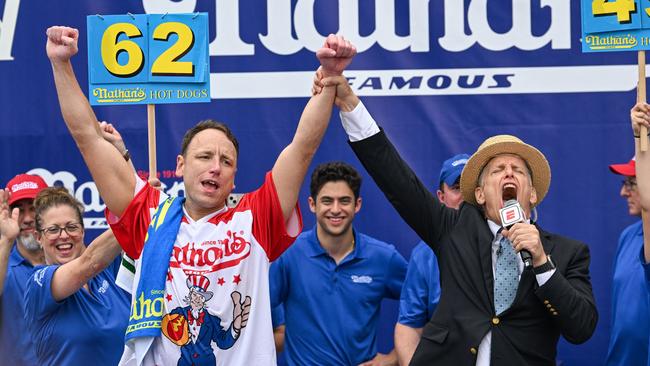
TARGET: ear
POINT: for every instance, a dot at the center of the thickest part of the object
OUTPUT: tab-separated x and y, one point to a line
533	196
441	195
180	164
357	205
479	195
39	237
312	204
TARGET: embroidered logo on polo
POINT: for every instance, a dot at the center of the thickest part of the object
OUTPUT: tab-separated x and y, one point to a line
102	289
211	255
38	276
361	279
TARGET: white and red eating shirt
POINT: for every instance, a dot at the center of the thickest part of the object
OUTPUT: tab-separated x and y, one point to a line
228	251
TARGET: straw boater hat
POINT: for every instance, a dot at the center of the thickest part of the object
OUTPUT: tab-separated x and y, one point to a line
505	144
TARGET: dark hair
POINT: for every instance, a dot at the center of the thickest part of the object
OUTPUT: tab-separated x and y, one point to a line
332	172
205	125
52	197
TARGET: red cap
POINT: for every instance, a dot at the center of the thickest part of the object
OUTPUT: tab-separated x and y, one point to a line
25	186
628	169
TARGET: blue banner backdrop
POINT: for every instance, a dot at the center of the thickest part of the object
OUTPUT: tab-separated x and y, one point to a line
439	76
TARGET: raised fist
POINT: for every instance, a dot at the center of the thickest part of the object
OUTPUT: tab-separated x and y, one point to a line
61	43
335	55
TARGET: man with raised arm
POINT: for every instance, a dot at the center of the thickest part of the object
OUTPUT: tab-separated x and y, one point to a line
200	291
421	290
492	310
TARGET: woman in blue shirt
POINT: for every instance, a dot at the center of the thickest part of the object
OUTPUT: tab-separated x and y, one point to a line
73	308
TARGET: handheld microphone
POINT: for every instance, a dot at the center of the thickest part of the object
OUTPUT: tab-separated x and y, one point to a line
511	213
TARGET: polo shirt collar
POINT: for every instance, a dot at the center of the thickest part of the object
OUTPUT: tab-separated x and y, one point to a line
314	249
15	259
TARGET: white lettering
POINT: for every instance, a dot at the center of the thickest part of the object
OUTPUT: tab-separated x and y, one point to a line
95	204
520	34
284	16
228	41
7	28
280	40
66	179
169	6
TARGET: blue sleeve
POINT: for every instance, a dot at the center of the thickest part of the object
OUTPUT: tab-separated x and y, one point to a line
396	272
278	281
277	316
38	294
415	296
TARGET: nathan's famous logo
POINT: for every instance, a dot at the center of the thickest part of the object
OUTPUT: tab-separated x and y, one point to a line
212	255
610	41
128	95
146	307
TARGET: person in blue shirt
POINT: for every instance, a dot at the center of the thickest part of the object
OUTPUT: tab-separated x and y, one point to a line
16	265
277	318
74	311
640	116
629	335
333	279
421	290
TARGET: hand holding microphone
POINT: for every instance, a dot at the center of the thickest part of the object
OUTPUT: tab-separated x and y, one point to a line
512	213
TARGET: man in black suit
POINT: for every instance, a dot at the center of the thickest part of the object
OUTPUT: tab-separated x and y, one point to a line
521	325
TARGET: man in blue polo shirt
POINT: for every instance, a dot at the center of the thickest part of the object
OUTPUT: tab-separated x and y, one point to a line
333	279
421	290
629	336
16	265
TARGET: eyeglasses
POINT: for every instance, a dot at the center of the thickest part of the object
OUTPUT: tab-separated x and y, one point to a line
629	184
54	232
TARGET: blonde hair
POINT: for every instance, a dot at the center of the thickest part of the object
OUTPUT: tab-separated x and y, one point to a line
53	197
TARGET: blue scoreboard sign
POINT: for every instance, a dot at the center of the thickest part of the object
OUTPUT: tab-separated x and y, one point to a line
148	59
615	25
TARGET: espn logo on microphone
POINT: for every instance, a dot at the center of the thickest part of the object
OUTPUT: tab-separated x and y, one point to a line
511	215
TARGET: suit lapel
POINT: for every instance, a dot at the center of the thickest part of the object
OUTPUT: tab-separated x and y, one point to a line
484	243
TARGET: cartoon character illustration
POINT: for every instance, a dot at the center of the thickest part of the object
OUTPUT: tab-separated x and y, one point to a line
194	329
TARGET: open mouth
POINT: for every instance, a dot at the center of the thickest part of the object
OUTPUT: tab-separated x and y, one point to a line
64	249
210	184
509	192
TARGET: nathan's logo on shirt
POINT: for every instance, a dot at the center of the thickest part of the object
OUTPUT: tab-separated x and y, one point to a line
102	289
212	255
38	276
361	279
